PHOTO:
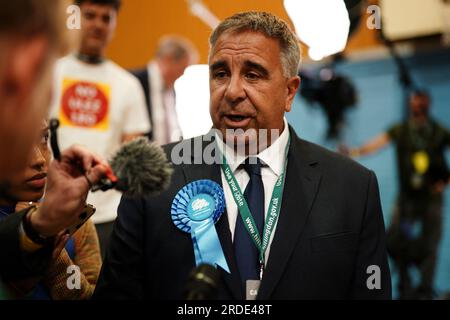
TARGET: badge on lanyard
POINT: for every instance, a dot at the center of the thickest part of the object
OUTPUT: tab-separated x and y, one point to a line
252	288
421	163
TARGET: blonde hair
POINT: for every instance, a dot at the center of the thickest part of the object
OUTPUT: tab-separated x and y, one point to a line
269	25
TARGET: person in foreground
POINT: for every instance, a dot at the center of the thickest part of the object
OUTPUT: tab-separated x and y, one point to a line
31	38
322	236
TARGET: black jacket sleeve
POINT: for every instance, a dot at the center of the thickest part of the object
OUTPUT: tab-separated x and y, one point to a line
372	278
14	262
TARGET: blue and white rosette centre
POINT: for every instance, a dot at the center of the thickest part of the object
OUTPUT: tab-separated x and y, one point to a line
195	209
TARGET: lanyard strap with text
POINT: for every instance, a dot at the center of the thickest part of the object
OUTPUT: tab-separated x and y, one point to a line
273	211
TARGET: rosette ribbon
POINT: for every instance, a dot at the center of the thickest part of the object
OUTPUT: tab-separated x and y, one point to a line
195	209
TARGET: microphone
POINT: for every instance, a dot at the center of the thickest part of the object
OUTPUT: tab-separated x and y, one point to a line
139	168
203	283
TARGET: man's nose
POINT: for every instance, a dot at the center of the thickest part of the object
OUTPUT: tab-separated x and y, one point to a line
98	23
235	91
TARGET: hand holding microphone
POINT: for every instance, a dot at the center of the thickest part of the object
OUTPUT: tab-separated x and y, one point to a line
139	168
66	191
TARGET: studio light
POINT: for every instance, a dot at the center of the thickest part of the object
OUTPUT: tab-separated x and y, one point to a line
323	25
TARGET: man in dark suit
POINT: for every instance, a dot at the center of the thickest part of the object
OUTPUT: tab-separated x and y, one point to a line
173	56
329	239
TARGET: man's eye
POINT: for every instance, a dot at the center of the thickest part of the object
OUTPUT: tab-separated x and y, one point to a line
252	76
89	16
106	19
220	75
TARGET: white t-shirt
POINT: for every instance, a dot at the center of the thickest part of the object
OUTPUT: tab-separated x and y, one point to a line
96	105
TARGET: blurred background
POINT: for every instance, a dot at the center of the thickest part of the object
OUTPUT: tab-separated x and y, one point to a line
154	19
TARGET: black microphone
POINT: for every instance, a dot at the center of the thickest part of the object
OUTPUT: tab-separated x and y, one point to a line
139	168
202	283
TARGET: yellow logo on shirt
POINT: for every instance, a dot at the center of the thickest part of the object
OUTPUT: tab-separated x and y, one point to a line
85	104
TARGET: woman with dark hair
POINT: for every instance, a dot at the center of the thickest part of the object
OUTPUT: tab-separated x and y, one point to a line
76	257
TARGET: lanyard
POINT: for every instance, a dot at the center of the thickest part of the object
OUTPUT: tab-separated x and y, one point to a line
273	211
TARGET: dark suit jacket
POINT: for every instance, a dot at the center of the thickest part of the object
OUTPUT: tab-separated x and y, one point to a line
330	230
14	262
143	77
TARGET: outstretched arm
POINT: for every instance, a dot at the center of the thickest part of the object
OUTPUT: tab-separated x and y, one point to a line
370	147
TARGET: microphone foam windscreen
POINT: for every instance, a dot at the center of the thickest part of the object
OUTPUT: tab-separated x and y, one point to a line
142	168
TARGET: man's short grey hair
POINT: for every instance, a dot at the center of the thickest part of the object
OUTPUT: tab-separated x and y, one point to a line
269	25
177	47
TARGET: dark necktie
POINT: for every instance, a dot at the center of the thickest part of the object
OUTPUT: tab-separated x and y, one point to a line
246	252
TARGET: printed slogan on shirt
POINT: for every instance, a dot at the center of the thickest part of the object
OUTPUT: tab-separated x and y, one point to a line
85	104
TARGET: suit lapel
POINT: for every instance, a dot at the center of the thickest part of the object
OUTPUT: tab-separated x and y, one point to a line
212	172
301	185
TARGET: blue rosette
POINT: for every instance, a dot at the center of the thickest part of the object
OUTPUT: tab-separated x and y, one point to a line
195	209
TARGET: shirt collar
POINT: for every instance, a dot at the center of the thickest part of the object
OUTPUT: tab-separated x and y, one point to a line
273	156
157	79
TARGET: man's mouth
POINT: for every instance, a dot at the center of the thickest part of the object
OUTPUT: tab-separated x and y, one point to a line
96	35
237	120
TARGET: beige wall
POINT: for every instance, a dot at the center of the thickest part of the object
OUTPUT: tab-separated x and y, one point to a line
142	22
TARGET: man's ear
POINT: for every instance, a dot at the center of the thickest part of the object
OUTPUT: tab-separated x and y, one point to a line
25	61
292	86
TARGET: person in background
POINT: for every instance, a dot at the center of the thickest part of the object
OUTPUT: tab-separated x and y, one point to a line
82	249
32	36
416	226
99	104
173	56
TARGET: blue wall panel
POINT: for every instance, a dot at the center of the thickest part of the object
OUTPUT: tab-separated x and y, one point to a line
380	104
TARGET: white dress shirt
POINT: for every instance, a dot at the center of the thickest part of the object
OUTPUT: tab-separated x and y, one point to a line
272	159
166	128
